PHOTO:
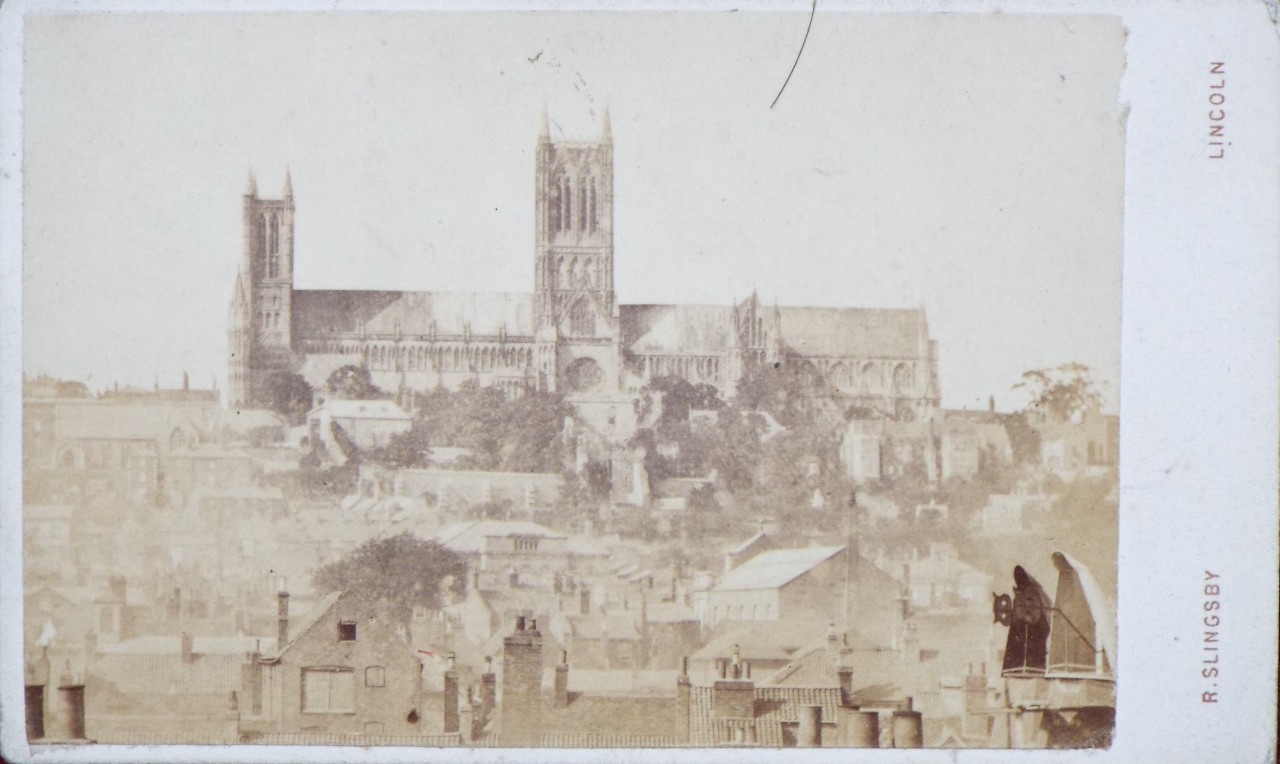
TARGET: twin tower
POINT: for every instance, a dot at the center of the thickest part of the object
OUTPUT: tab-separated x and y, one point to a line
567	339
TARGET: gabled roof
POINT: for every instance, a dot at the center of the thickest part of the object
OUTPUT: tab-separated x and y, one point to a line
597	626
341	408
320	312
740	548
760	640
857	332
679	329
321	609
121	421
776	568
469	536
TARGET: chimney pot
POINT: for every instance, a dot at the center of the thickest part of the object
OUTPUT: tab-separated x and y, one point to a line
519	623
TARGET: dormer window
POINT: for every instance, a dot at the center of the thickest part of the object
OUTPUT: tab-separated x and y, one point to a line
346	631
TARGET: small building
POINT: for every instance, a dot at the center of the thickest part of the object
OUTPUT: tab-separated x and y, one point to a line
821	584
368	423
341	671
509	554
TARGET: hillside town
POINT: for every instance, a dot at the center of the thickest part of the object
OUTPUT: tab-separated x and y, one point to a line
401	570
552	518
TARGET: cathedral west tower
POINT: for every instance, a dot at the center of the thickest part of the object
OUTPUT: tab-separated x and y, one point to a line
261	334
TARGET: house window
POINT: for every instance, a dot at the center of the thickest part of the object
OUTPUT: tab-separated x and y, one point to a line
375	676
328	691
346	631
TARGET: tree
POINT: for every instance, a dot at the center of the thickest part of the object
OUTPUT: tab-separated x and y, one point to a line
289	395
1062	393
404	450
352	382
397	574
515	435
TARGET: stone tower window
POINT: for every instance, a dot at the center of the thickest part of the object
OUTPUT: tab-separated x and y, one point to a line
592	214
582	321
273	248
553	206
582	203
566	220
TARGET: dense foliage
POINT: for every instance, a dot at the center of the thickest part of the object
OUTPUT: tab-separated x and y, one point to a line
397	574
352	382
1062	393
507	434
289	395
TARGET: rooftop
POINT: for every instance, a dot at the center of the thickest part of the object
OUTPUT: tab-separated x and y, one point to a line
776	568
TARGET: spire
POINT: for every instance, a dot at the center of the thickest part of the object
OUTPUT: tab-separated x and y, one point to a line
288	184
607	133
544	129
252	189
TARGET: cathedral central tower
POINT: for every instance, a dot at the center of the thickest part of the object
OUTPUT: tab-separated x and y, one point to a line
573	270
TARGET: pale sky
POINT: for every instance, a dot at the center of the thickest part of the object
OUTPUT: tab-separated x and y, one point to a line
972	164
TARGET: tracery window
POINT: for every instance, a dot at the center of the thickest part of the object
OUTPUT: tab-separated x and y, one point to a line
592	213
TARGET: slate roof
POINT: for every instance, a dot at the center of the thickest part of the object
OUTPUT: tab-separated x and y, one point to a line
157	675
596	626
774	708
318	313
469	536
858	332
119	421
334	738
677	329
339	408
166	645
761	640
776	568
654	718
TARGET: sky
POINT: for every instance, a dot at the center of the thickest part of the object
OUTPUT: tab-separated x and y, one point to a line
970	164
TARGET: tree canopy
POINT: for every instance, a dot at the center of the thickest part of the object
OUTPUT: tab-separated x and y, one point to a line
1062	393
510	434
352	382
397	574
289	395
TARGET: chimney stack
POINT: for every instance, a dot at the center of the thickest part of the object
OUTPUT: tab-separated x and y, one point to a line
188	648
282	619
68	715
845	673
584	600
861	728
488	691
810	733
560	698
908	727
452	722
34	697
522	686
684	701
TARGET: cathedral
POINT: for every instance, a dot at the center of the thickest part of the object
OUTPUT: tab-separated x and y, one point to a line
569	335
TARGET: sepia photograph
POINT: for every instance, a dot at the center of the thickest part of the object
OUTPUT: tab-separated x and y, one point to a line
571	380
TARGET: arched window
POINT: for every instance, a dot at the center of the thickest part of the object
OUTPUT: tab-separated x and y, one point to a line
566	220
574	273
589	274
265	227
582	204
582	321
553	207
592	214
866	380
902	378
274	241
